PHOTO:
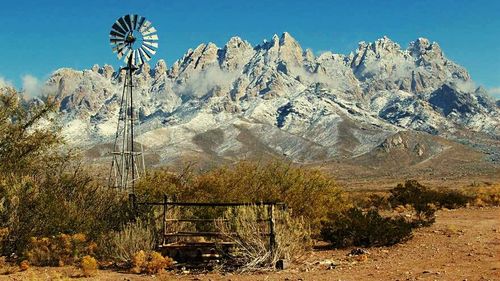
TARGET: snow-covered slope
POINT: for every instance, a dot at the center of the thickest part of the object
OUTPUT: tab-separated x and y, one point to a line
278	99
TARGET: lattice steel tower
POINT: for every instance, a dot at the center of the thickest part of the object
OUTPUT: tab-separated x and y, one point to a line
134	40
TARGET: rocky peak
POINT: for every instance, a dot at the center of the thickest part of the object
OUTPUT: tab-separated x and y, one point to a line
236	54
160	68
380	60
204	56
237	43
289	50
145	70
287	39
425	52
421	46
378	49
107	71
384	46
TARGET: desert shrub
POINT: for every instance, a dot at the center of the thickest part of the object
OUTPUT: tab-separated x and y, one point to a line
122	245
150	262
369	200
426	201
89	266
486	196
354	227
43	192
58	203
308	192
245	227
58	250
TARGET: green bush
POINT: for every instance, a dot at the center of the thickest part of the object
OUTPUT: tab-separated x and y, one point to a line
424	200
354	227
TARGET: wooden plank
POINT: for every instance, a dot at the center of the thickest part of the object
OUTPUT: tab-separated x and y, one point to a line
196	220
206	220
272	234
204	204
205	233
200	233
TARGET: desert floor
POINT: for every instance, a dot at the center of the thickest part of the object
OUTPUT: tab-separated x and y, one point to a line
463	244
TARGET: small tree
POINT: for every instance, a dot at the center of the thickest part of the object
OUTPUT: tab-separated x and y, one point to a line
28	134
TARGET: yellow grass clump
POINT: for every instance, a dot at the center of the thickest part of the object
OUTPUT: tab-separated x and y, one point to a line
89	266
59	250
150	262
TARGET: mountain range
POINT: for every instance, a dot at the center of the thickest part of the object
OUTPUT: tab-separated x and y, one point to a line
379	106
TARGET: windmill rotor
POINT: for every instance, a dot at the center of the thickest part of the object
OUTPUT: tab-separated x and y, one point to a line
134	39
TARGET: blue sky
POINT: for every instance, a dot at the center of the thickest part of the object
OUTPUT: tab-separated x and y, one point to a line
39	36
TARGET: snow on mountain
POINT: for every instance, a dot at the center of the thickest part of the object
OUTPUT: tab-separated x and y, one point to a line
278	99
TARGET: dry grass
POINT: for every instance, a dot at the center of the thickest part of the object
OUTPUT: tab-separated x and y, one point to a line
121	246
252	247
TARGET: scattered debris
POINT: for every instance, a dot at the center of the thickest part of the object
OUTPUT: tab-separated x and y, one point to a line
358	252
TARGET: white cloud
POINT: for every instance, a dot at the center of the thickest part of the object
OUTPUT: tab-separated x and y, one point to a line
4	82
32	87
200	83
465	86
495	92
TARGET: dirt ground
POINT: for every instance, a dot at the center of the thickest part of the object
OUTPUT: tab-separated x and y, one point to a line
463	244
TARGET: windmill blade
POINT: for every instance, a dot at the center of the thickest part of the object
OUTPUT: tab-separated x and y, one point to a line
152	37
134	22
122	24
128	20
149	53
150	30
133	57
149	50
115	40
116	34
127	56
118	29
141	22
122	52
119	47
144	54
125	27
152	45
139	57
145	26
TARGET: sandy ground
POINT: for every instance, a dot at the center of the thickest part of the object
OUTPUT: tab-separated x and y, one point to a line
463	244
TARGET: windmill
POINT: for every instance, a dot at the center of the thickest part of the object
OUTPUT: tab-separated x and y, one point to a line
135	40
